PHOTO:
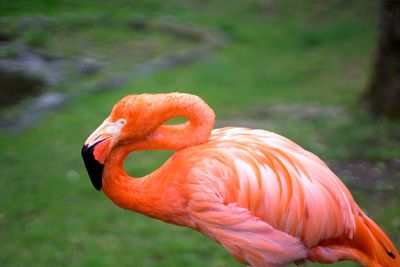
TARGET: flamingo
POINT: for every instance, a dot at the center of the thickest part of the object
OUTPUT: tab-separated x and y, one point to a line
265	199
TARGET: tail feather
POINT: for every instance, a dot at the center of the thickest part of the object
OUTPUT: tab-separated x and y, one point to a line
370	240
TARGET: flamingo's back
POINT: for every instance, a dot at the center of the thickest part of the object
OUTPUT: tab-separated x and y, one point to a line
289	188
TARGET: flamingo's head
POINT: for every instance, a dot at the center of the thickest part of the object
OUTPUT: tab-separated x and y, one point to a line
97	147
130	122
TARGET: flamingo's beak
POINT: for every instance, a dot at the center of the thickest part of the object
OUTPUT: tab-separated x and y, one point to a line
95	151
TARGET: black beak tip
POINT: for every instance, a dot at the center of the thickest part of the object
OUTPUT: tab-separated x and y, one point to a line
93	167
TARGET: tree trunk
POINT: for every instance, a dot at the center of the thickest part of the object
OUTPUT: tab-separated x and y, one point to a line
383	93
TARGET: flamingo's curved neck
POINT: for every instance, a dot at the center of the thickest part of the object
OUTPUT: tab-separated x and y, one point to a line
126	191
145	195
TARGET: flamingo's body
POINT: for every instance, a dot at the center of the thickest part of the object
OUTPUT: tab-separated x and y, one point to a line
264	198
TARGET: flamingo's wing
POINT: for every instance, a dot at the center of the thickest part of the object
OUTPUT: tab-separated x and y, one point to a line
249	239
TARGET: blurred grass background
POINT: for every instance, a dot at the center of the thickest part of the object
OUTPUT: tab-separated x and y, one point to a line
293	67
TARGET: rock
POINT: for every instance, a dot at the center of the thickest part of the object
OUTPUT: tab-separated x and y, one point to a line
33	112
110	83
50	100
89	66
37	21
29	61
139	24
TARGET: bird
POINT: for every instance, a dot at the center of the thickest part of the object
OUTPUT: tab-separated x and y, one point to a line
265	199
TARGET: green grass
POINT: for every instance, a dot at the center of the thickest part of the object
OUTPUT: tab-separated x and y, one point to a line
279	52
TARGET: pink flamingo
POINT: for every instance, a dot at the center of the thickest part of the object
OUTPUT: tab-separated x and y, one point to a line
265	199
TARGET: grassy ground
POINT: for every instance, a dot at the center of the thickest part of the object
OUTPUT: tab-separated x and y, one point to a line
279	54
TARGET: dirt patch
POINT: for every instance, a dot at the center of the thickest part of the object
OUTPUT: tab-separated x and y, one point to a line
297	111
369	176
